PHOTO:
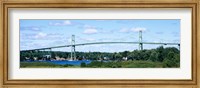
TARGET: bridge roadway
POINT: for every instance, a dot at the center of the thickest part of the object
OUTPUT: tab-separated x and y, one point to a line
81	44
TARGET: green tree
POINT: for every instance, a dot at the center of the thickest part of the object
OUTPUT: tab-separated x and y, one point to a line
147	54
83	64
125	53
118	56
160	51
131	56
136	54
170	60
154	56
53	55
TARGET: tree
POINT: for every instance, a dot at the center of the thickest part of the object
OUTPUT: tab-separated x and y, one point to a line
125	53
53	55
160	51
170	60
146	54
136	55
131	56
154	56
118	56
83	64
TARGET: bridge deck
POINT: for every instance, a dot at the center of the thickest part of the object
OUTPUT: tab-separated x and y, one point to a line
81	44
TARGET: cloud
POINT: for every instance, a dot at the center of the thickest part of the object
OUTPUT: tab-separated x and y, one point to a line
93	30
135	29
63	23
82	39
31	28
87	26
27	45
40	35
90	31
40	40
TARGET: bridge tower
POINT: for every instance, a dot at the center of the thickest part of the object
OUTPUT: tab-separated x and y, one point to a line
73	50
140	40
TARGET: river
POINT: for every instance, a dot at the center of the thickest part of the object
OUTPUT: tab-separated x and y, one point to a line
66	62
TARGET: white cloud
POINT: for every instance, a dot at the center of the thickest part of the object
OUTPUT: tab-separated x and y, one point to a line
137	29
31	28
87	26
90	31
63	23
40	35
32	45
35	28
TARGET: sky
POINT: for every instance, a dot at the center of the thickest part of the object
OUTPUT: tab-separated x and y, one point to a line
36	34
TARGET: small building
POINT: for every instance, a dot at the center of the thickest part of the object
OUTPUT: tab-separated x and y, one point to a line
27	58
125	58
105	58
47	56
35	58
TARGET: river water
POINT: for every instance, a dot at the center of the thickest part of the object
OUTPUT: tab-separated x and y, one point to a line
66	62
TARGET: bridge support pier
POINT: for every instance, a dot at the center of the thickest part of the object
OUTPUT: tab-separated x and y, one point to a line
73	49
140	46
140	40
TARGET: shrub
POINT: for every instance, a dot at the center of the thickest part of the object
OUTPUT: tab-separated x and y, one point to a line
170	60
67	65
83	64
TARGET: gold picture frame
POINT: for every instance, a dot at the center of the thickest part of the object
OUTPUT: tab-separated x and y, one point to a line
6	83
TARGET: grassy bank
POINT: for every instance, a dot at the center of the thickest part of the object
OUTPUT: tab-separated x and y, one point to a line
44	65
97	64
125	64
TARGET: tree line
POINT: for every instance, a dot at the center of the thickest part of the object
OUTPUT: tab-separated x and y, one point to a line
169	55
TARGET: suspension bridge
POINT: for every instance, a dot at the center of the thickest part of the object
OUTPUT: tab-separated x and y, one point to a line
73	45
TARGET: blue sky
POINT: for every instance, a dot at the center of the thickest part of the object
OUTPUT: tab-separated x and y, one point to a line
47	33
